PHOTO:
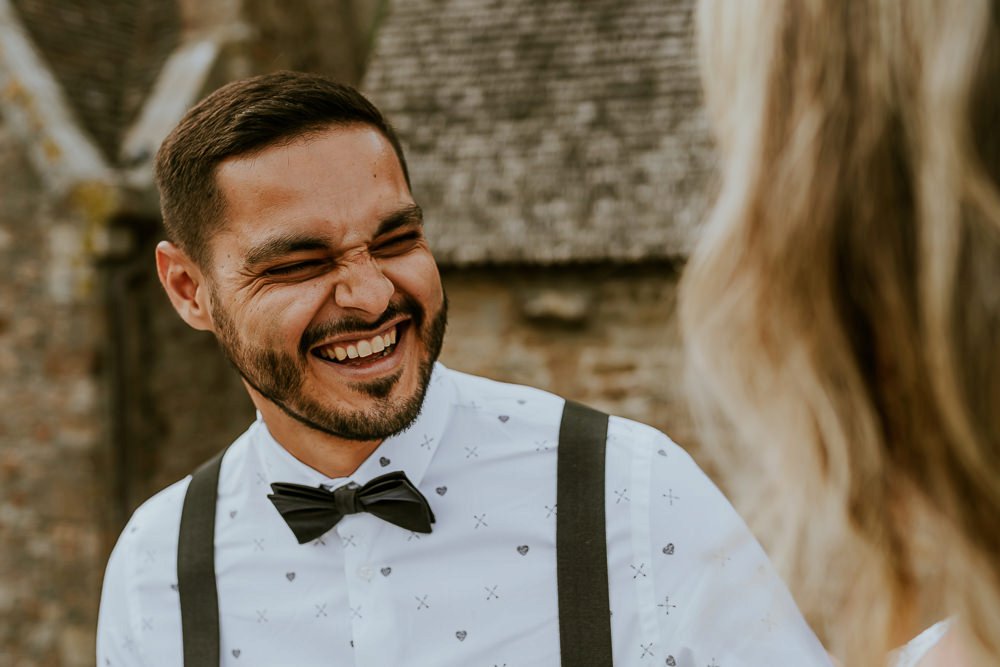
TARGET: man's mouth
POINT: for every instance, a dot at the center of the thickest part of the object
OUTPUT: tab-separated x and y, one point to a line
367	348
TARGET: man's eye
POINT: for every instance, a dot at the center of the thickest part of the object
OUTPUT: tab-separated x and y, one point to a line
397	245
290	269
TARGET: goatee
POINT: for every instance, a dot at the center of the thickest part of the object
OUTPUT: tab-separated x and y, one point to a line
279	376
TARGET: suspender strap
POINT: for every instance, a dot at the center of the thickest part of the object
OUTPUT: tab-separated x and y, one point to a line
581	539
196	568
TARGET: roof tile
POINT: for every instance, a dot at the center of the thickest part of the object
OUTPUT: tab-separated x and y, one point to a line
547	131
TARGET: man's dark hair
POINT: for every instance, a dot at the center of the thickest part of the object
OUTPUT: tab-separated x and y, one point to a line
242	118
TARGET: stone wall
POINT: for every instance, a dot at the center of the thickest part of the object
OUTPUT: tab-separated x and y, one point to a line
54	513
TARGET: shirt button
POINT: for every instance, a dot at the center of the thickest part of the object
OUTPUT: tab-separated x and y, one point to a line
366	572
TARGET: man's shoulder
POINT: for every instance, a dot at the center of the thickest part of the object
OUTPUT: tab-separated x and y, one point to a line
627	437
155	521
630	430
490	396
480	392
154	524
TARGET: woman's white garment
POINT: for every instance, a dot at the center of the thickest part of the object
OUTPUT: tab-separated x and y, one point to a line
911	654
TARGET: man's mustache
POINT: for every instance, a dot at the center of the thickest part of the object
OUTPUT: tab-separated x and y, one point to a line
406	306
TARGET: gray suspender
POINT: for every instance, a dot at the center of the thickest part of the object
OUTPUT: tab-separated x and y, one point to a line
581	539
196	567
581	550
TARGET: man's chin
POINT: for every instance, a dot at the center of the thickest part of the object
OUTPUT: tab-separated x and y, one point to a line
380	408
385	420
379	389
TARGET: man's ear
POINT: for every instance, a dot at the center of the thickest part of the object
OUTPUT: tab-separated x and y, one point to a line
185	286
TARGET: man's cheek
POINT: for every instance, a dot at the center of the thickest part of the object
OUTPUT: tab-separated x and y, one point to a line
418	272
284	322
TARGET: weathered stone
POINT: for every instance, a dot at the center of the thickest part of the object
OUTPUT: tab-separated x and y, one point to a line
547	132
51	510
567	307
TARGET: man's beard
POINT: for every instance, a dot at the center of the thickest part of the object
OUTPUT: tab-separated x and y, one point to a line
279	376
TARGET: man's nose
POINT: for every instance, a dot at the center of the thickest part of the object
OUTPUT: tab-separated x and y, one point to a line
363	286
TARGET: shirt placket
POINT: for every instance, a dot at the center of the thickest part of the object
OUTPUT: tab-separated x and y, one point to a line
369	614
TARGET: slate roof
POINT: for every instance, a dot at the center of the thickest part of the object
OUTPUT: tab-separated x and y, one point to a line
106	55
547	131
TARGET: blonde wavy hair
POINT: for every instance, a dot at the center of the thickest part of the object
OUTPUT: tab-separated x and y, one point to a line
842	310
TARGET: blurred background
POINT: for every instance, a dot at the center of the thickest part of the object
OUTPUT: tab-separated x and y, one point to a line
557	147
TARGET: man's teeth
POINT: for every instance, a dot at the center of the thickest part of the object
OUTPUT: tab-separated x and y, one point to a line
360	349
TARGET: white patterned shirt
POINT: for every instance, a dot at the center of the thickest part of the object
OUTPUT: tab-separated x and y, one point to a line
689	585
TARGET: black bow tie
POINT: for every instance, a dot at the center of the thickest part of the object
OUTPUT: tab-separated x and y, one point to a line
311	511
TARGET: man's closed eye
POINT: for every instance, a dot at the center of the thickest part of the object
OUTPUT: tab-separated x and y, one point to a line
294	268
397	245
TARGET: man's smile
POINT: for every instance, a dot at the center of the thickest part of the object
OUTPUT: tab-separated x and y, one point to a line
357	348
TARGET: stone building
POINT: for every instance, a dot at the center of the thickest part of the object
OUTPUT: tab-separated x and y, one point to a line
560	152
557	148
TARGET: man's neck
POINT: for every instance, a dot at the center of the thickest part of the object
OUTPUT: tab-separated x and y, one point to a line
334	457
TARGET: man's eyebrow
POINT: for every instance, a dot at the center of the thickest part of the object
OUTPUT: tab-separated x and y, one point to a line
409	215
279	246
286	244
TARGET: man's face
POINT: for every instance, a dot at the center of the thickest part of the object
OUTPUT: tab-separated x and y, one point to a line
324	292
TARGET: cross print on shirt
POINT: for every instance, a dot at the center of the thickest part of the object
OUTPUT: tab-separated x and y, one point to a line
480	520
550	511
413	536
422	602
491	592
356	612
667	605
472	452
426	443
639	571
622	495
261	479
347	541
669	495
261	615
258	544
647	649
321	610
319	542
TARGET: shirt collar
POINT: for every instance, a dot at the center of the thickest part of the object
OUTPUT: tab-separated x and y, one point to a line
410	451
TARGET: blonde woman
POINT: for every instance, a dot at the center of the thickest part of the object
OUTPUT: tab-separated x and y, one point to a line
842	311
